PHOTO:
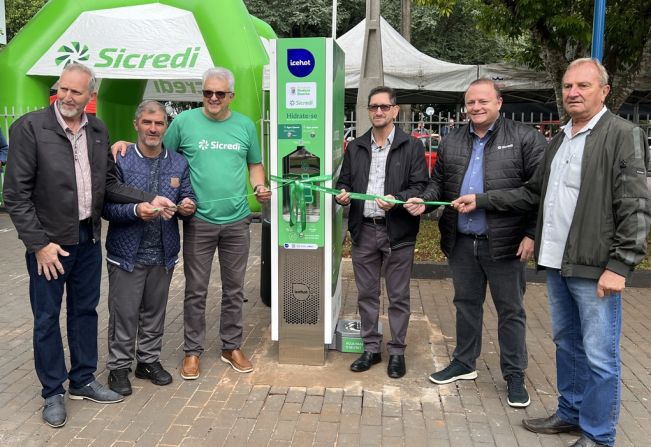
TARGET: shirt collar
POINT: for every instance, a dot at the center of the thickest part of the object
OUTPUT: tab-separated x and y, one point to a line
471	129
593	122
389	139
62	122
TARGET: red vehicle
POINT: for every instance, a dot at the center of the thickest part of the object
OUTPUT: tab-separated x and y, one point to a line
431	143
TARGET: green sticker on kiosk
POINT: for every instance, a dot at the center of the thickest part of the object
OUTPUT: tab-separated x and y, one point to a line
290	131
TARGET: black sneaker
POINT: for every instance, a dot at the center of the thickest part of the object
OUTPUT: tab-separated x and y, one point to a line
154	372
118	381
517	395
453	372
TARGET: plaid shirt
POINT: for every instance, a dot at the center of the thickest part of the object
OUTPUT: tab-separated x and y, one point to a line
82	163
376	174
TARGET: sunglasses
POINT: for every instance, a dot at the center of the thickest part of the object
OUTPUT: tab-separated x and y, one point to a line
383	107
208	94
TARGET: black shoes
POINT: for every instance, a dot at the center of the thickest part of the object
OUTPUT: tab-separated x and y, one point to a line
517	394
584	441
396	368
154	372
550	426
118	381
365	361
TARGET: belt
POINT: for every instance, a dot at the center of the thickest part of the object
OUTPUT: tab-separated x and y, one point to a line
85	221
375	220
475	236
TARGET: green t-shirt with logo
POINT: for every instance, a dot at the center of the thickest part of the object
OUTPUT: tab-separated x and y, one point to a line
218	153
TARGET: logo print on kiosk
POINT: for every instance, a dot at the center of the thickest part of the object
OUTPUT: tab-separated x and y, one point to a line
300	291
300	62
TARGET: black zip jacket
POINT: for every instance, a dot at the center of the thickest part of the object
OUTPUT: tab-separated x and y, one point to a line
511	156
406	176
40	189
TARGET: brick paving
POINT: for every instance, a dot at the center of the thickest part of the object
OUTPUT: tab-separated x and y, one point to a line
289	405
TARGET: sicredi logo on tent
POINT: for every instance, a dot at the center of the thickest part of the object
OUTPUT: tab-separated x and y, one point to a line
121	58
300	62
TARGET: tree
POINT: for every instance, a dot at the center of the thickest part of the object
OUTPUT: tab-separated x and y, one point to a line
307	18
18	13
558	31
453	34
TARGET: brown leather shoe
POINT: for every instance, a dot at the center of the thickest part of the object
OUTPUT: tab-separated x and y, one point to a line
190	369
237	360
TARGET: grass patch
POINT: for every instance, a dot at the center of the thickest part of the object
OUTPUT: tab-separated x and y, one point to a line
428	246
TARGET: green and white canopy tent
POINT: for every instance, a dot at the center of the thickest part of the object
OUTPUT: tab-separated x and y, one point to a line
128	42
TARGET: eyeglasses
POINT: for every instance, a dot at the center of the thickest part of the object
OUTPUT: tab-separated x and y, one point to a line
208	94
383	107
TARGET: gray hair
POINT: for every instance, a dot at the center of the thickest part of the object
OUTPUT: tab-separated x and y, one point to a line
220	73
76	66
150	106
603	74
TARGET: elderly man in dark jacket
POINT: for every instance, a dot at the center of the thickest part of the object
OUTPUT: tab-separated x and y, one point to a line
142	250
58	172
486	154
387	162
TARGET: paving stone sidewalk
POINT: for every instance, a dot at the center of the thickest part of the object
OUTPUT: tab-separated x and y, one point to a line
289	405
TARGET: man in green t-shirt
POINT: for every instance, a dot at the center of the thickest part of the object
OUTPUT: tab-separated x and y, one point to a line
221	147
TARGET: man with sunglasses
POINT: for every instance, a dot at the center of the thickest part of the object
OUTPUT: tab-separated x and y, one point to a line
222	149
387	162
488	153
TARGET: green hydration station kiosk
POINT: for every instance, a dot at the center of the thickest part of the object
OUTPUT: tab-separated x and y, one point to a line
307	125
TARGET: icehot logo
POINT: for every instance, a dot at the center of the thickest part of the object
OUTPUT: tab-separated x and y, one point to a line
300	62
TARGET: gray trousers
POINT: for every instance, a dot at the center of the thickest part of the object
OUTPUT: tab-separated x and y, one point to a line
200	240
372	255
137	302
472	268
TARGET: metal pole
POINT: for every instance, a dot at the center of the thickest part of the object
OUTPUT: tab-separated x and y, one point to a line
598	28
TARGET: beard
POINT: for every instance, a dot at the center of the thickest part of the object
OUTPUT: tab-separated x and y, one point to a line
69	113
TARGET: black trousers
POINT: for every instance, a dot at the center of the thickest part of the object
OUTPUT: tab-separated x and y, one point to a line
472	268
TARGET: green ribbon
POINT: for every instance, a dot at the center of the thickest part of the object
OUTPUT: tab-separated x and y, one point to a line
300	195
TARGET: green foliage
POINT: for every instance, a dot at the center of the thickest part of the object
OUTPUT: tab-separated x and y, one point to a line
441	32
18	13
307	18
555	32
450	32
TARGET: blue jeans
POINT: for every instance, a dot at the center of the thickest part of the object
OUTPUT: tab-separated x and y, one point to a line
586	331
81	280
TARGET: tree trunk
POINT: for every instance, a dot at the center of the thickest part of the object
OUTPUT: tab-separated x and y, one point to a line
555	66
623	84
405	23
